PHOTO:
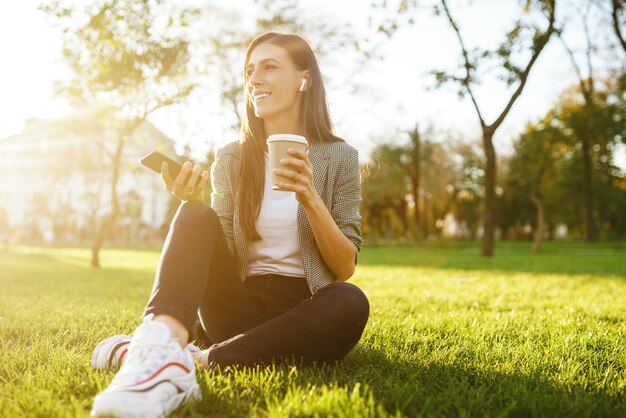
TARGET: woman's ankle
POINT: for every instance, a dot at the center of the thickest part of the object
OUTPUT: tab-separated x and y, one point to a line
177	329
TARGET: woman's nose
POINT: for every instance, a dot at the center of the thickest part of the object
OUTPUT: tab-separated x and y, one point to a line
255	79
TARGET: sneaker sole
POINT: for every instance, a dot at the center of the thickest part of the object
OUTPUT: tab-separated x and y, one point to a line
125	404
102	359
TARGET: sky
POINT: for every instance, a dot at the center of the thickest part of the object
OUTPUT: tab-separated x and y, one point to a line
395	92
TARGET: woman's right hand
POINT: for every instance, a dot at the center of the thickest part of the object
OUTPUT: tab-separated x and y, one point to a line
189	190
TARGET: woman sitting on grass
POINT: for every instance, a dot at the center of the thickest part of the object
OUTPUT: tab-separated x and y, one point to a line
262	272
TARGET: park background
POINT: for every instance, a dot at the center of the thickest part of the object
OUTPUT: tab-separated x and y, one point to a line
492	142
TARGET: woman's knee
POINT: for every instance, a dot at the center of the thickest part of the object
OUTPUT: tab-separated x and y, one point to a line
347	312
195	214
355	307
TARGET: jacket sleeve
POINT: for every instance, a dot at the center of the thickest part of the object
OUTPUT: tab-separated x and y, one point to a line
222	195
346	200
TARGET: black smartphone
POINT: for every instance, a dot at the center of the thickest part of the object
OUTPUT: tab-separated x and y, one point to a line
154	160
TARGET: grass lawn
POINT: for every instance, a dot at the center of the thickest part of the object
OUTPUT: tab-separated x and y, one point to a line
450	334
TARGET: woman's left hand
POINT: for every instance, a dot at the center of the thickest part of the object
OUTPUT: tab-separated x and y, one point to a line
305	191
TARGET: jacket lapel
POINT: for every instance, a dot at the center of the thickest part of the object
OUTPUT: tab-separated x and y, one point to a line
319	160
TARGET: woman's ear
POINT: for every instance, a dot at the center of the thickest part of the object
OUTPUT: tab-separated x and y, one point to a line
305	84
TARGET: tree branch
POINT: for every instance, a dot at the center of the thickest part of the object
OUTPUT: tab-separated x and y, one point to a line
617	6
581	80
589	49
542	41
468	66
586	86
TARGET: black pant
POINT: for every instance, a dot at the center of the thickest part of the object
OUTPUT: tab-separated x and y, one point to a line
263	319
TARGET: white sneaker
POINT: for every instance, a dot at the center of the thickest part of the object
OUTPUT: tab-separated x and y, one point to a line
110	352
156	376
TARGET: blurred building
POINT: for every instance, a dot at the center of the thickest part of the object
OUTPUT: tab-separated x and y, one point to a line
55	176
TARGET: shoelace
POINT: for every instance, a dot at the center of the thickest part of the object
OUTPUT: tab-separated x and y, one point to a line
140	362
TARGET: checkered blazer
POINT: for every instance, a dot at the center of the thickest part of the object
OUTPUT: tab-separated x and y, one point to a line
336	179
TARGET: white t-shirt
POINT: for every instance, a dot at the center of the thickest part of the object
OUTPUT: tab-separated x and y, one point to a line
278	252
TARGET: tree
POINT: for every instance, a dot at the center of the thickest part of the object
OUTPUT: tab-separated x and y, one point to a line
604	124
468	79
439	186
467	185
435	175
385	190
586	132
618	16
413	168
547	162
533	166
131	55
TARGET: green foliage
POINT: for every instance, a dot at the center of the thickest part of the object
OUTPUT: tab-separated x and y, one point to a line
384	191
548	159
128	58
125	53
533	169
469	187
450	182
450	334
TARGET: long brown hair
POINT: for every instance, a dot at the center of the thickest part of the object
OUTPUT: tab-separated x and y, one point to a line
318	126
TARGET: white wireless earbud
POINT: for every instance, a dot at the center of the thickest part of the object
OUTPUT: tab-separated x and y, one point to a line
302	84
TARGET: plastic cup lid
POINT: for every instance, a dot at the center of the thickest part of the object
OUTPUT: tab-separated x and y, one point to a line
287	137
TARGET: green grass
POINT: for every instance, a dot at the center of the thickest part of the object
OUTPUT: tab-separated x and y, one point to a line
450	334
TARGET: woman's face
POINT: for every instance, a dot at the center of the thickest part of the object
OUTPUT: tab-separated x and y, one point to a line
273	82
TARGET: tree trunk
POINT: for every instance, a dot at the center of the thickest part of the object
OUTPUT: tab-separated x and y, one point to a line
425	219
415	180
109	219
416	211
101	235
587	190
401	213
551	227
539	221
490	194
505	233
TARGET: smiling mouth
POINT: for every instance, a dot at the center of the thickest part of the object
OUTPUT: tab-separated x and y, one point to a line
262	97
